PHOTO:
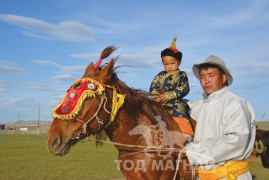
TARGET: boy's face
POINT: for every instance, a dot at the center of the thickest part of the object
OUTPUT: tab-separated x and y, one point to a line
170	63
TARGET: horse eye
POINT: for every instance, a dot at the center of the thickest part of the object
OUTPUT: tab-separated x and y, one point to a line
77	85
91	86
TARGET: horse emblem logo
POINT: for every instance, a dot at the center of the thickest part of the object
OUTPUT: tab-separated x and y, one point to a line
158	137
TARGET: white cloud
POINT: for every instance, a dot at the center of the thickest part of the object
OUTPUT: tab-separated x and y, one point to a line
148	58
36	86
257	69
60	67
47	63
78	69
82	56
62	77
17	100
30	34
252	13
64	30
9	68
2	87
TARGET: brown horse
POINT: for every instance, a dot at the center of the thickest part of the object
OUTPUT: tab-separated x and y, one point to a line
92	105
265	153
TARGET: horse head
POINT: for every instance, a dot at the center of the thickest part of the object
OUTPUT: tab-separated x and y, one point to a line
140	129
85	109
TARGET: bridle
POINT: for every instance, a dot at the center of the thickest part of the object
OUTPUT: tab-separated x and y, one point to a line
100	121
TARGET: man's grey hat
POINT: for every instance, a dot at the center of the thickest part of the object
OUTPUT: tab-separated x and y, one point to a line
215	61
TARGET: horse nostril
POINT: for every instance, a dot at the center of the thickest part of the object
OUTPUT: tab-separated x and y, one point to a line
56	142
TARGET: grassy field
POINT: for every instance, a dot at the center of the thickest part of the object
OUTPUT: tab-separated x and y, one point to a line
26	157
264	125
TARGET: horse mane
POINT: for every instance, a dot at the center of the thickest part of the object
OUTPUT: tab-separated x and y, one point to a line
137	103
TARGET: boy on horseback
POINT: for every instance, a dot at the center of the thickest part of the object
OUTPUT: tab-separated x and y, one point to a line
170	86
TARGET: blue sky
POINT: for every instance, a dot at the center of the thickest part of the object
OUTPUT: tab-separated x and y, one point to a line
46	45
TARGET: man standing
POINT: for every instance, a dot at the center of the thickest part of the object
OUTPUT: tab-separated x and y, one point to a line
225	128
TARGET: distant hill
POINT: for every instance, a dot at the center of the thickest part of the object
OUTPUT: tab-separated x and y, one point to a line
29	122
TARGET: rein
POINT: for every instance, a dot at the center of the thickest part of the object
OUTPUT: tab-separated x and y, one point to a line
154	149
139	146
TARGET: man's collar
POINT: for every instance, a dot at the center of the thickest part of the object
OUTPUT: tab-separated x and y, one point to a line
214	94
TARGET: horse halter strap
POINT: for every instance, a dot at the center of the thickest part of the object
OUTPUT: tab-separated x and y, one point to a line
95	115
117	101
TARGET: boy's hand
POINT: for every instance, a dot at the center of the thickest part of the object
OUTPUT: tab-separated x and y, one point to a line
160	99
157	99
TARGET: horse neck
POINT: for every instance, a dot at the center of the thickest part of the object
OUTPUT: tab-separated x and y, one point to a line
119	129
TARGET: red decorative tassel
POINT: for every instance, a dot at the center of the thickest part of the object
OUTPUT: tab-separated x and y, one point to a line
98	63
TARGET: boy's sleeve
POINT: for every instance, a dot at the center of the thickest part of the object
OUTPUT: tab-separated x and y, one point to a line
154	87
181	90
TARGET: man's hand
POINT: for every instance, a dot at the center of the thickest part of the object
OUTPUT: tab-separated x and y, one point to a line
183	153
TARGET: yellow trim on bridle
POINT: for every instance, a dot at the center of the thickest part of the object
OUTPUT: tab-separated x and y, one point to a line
117	101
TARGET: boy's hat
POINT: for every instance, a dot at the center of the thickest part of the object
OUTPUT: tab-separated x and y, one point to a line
172	51
215	61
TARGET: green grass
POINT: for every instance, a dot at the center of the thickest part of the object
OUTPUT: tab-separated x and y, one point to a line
257	170
263	125
26	157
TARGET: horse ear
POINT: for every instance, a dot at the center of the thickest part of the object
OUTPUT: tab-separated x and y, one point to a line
90	70
107	71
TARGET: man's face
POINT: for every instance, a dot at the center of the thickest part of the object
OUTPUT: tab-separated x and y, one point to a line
211	80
